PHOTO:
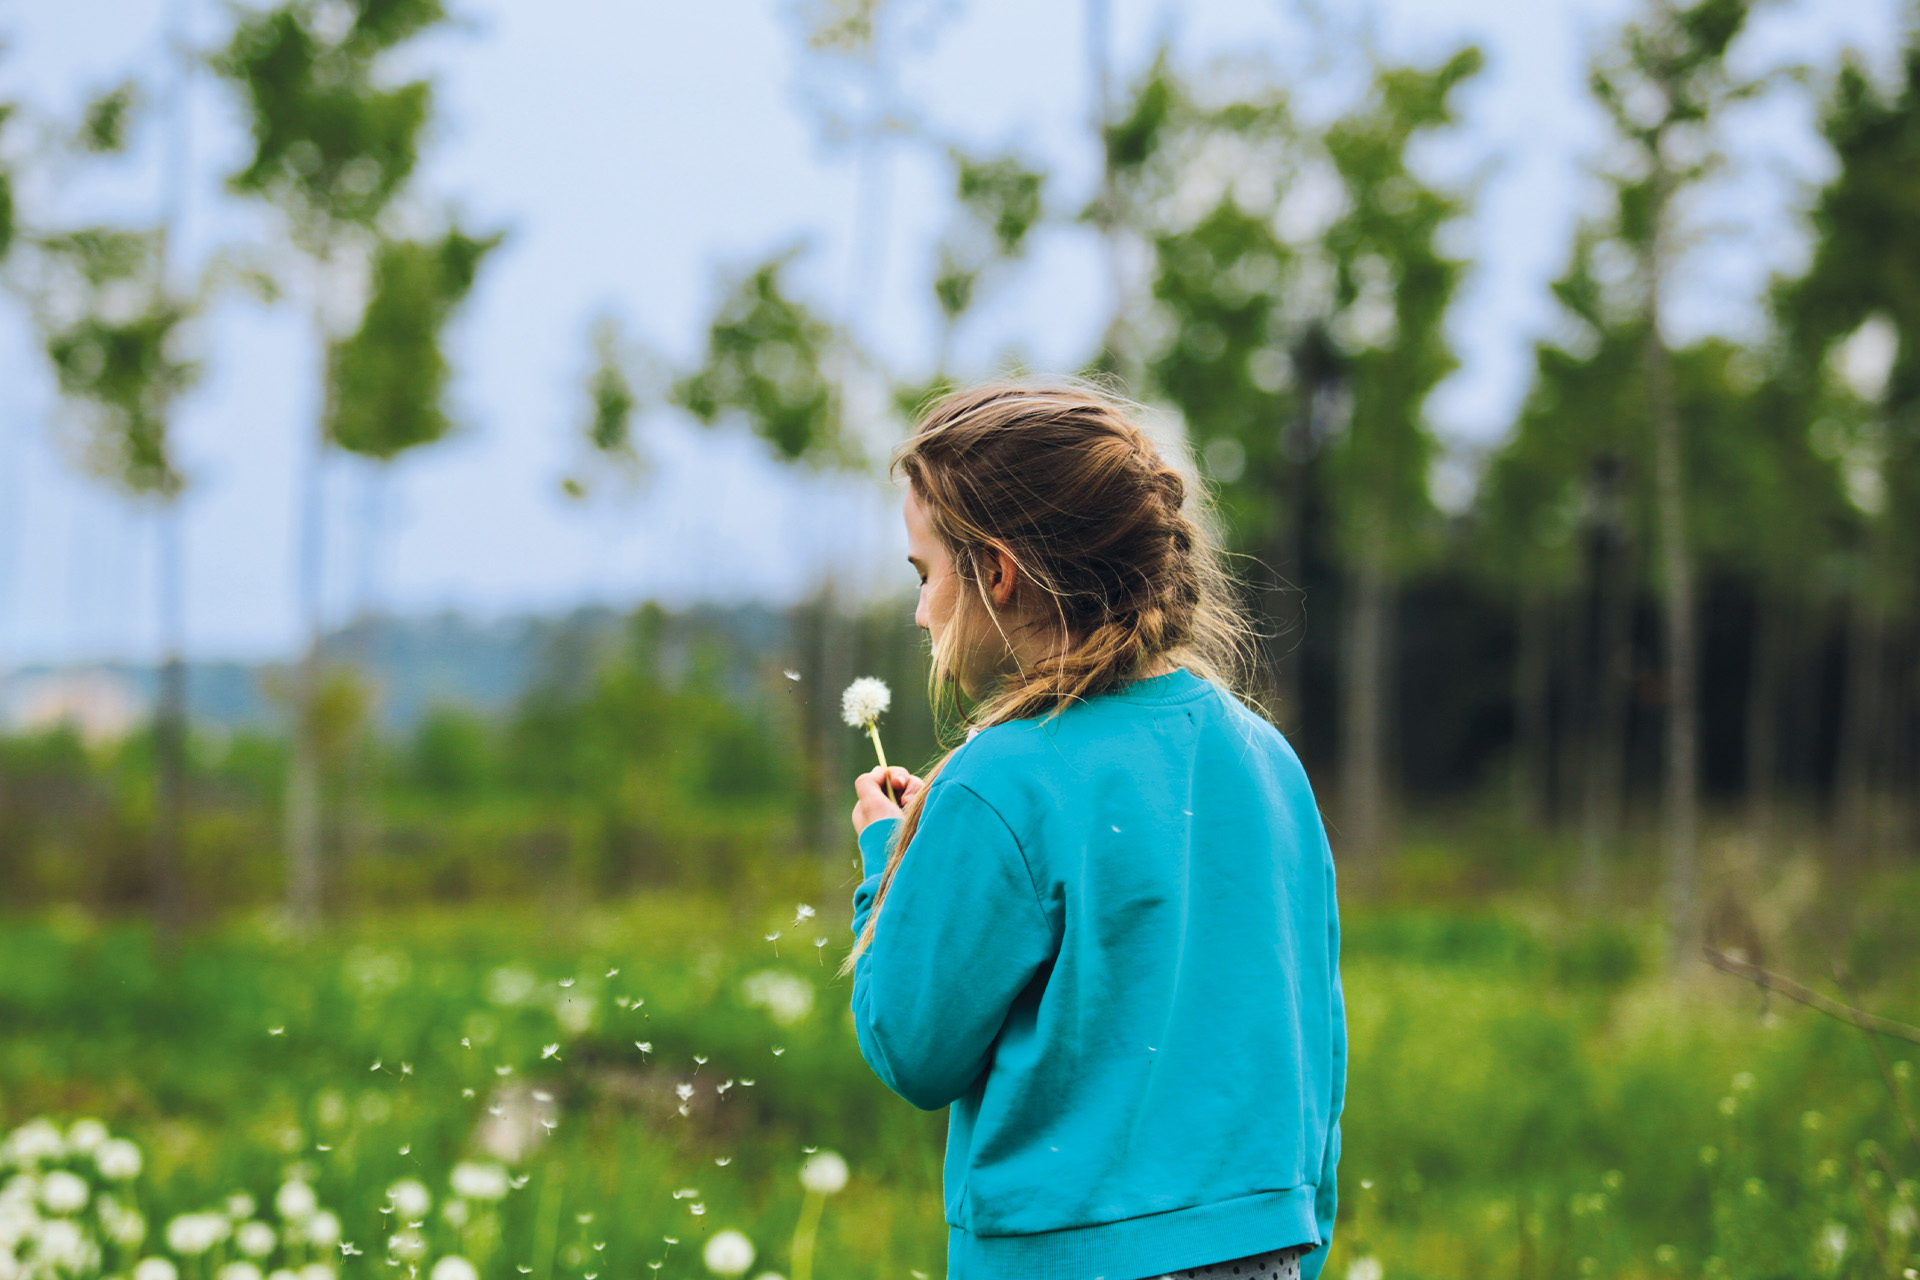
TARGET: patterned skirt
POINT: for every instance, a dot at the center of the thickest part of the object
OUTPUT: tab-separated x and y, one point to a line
1275	1264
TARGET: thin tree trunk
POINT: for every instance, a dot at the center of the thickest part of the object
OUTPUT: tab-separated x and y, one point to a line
170	717
1612	669
1532	677
1364	699
1682	729
1860	727
1769	646
304	871
169	740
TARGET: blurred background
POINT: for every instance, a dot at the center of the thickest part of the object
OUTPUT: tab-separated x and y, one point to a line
442	497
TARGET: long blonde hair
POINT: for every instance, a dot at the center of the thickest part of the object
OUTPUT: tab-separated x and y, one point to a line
1065	481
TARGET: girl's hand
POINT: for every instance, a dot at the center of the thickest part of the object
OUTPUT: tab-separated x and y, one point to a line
872	804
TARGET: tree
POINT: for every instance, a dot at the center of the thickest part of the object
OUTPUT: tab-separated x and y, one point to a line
332	147
1853	333
1663	86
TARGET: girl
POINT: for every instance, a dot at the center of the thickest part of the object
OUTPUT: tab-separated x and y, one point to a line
1103	928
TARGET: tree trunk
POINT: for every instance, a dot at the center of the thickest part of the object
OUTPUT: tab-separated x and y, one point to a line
303	817
1862	718
1676	562
1532	689
1364	703
1607	737
1769	647
170	740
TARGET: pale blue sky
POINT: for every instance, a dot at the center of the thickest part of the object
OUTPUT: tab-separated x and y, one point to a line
634	149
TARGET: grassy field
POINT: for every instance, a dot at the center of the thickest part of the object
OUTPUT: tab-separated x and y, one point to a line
1529	1096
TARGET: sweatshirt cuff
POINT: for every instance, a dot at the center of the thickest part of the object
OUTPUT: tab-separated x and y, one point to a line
873	845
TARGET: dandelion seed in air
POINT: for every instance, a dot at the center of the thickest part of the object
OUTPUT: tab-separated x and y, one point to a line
375	1066
723	1161
321	1146
819	950
696	1209
583	1218
746	1082
791	674
549	1051
523	1270
465	1043
644	1046
276	1031
778	1050
803	912
407	1150
566	982
406	1068
466	1093
684	1090
503	1071
699	1061
861	706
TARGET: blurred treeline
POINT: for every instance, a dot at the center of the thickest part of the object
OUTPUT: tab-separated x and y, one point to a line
1680	593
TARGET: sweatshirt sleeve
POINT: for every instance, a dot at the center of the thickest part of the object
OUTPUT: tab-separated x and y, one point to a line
1326	1196
962	933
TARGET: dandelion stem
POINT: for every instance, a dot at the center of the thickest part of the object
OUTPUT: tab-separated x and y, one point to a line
886	781
803	1235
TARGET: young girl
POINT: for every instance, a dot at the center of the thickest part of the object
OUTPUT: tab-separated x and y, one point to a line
1103	927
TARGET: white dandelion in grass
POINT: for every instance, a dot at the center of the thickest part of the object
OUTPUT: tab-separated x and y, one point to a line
453	1267
823	1174
728	1253
861	706
155	1269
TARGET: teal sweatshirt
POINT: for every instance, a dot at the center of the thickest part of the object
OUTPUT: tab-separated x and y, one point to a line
1113	947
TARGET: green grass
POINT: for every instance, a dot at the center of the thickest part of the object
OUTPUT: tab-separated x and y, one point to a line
1528	1096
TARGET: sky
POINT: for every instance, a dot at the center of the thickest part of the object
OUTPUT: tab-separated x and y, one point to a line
637	154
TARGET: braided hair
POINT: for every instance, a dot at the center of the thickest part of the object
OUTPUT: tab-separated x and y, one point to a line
1063	479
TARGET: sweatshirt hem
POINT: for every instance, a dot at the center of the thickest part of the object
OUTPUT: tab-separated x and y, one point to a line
1136	1248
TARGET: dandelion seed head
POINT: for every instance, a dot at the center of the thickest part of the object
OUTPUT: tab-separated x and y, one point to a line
728	1253
824	1173
865	701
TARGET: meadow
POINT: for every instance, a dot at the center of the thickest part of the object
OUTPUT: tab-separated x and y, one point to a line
574	1088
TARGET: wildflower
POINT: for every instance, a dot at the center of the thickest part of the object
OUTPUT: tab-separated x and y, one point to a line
787	997
124	1226
64	1246
408	1245
1367	1268
478	1181
295	1201
410	1198
86	1136
824	1174
728	1253
155	1269
862	705
323	1229
239	1206
32	1142
255	1239
456	1213
238	1271
192	1234
453	1267
63	1192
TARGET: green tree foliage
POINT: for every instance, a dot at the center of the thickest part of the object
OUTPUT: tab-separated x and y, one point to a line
766	363
332	145
998	204
390	376
114	342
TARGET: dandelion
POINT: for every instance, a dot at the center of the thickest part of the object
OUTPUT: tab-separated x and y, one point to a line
803	912
1367	1268
155	1269
319	1271
408	1245
238	1271
32	1142
477	1181
255	1239
86	1135
410	1198
684	1090
63	1192
861	706
295	1201
324	1230
453	1267
1832	1244
728	1253
192	1234
118	1160
824	1174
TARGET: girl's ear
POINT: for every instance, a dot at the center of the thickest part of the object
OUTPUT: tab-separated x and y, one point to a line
1002	578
